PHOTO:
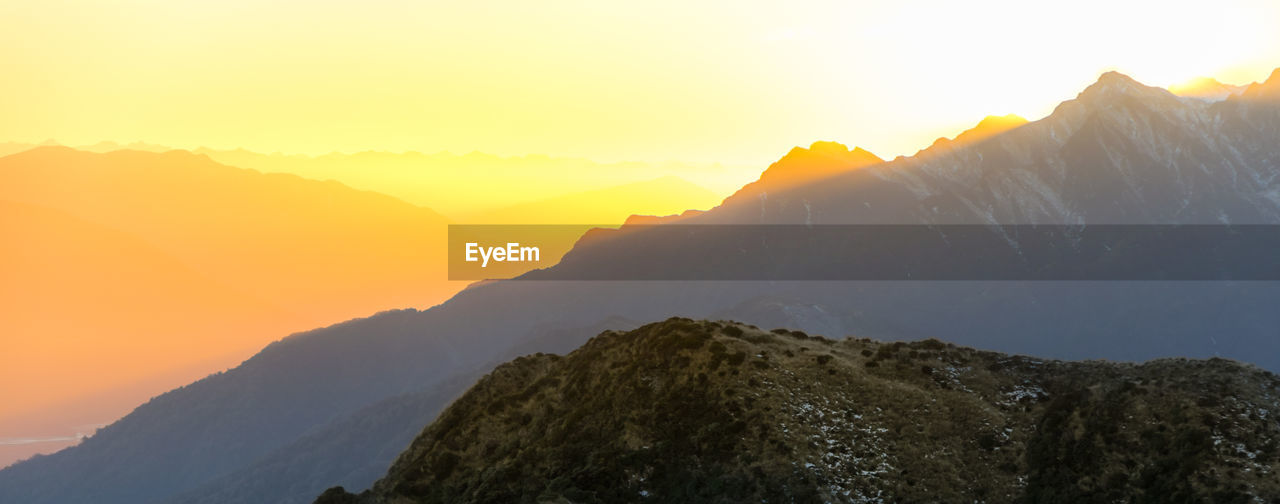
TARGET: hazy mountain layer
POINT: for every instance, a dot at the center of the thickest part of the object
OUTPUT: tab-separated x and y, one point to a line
475	184
248	257
85	309
685	411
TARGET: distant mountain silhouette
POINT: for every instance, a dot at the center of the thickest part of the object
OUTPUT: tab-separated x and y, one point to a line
109	146
1120	152
1205	88
469	185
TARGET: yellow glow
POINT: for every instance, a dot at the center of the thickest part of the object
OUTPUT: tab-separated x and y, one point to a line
702	81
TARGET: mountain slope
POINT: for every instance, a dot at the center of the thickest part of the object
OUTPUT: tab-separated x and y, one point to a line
356	449
987	128
720	412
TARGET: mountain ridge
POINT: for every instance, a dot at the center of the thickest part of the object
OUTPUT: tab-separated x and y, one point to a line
697	411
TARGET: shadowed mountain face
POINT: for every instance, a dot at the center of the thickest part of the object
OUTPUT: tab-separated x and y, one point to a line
1119	153
685	411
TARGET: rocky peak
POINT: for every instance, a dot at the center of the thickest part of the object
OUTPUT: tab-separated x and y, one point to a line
804	165
820	159
1112	87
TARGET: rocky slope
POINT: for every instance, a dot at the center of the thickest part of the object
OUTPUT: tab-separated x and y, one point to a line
687	411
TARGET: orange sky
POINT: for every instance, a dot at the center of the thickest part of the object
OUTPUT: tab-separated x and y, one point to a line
697	81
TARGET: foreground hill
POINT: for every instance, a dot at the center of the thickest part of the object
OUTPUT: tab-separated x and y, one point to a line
685	411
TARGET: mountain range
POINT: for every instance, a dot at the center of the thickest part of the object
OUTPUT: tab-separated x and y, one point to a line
1119	153
138	268
469	186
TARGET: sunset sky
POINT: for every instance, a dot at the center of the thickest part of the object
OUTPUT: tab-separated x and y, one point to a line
694	81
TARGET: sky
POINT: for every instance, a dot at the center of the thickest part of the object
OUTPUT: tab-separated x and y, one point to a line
731	82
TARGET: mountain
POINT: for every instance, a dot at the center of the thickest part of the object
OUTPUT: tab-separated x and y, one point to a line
138	264
1119	153
1206	88
110	146
310	246
461	185
1267	91
801	165
7	148
689	411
